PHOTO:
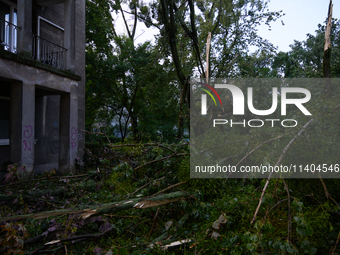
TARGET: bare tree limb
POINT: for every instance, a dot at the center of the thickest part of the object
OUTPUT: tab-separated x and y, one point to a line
144	144
336	243
142	18
126	25
146	185
82	237
170	187
289	213
98	133
277	163
324	186
153	223
258	147
157	160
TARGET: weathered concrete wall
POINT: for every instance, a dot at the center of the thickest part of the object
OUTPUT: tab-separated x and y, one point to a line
32	80
14	70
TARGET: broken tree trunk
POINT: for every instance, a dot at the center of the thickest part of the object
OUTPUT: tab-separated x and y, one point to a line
207	52
327	49
87	211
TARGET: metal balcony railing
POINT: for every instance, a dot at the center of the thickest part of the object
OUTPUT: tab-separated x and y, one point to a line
48	52
8	36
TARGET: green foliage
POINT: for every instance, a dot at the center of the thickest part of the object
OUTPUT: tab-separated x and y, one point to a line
216	218
14	238
305	58
137	93
120	179
12	175
206	187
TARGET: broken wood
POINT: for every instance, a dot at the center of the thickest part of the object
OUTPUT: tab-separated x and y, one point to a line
161	159
170	187
87	211
327	50
207	53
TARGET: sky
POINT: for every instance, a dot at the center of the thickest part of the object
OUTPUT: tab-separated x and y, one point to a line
301	17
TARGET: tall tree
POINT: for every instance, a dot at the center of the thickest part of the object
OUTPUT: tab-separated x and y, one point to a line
124	79
231	24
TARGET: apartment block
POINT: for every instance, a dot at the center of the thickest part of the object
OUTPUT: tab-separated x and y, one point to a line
42	84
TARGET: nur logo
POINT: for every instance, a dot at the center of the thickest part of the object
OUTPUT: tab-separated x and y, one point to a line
239	100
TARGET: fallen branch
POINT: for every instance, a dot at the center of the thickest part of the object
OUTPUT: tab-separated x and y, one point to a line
269	209
154	221
166	167
143	144
156	160
82	237
277	163
163	236
98	133
146	185
34	194
336	243
87	211
323	185
258	147
289	213
44	178
170	187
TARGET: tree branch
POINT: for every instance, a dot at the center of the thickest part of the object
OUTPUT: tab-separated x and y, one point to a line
87	211
156	160
277	163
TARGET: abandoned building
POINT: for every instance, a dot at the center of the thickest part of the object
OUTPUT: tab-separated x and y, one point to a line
42	84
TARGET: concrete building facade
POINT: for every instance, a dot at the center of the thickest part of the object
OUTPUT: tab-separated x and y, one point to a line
42	84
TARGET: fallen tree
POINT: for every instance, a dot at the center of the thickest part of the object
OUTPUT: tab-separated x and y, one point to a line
87	211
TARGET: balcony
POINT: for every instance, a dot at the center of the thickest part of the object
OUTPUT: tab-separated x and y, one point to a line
42	50
48	52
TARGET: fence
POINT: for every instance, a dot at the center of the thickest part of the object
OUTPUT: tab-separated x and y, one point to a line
48	52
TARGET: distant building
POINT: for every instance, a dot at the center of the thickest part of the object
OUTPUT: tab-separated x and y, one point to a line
42	84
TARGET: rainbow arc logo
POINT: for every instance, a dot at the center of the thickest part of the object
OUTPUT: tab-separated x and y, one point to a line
204	97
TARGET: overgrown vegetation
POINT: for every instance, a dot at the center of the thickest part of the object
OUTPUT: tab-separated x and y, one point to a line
132	193
91	213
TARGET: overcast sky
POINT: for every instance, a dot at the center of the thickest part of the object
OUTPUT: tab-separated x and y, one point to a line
302	17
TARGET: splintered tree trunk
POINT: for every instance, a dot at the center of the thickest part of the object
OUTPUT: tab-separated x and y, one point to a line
207	52
327	49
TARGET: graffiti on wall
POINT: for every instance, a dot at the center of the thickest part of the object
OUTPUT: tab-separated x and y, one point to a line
80	137
53	138
28	132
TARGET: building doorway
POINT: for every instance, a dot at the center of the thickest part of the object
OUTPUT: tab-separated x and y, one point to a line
46	142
